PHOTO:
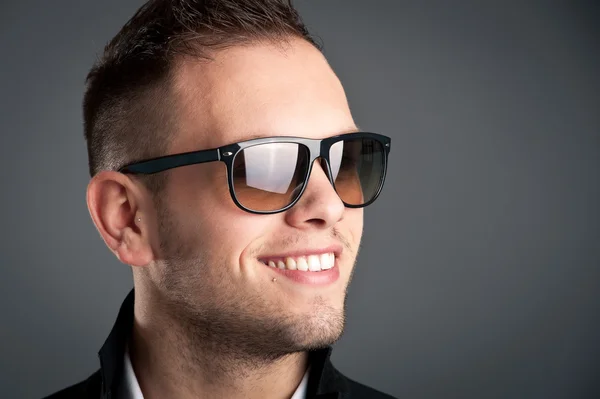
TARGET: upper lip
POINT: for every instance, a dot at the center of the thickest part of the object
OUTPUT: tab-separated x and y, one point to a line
336	249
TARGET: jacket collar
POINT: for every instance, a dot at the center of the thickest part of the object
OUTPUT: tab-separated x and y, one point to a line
324	381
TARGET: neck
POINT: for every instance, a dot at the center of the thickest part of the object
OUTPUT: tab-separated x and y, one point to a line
171	363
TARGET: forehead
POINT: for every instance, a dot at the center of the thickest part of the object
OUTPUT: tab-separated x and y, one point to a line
258	90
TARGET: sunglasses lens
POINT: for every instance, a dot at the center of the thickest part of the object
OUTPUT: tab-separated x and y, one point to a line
268	177
358	169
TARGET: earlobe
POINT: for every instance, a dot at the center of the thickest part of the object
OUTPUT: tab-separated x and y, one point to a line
114	202
132	250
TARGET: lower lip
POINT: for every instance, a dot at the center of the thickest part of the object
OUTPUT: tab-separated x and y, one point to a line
323	277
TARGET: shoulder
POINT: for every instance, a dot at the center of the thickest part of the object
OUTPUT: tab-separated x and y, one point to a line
89	388
358	390
335	380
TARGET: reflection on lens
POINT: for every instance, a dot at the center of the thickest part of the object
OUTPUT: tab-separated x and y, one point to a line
268	177
357	168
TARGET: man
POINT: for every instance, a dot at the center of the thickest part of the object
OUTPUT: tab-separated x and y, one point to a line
204	120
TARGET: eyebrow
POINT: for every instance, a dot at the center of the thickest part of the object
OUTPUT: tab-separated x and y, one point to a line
253	136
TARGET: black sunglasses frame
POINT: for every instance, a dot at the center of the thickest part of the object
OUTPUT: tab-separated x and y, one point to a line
318	148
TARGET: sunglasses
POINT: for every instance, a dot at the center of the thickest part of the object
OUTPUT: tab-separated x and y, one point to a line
268	175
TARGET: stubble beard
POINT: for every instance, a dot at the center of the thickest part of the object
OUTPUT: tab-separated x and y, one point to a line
243	331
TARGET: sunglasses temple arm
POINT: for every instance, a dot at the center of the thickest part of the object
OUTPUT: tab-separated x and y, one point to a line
172	161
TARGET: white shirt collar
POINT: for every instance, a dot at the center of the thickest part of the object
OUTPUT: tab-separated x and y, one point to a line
130	388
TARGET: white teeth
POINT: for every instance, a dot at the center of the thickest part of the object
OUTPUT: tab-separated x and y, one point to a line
314	263
290	263
302	265
326	261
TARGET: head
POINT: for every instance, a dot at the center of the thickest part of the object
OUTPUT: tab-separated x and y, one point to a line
190	75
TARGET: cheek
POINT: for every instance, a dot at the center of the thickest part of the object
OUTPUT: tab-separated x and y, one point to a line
222	234
206	213
353	221
200	196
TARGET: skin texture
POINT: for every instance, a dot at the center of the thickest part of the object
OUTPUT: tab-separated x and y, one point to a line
209	320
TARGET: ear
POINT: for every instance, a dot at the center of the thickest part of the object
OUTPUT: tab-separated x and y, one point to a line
115	203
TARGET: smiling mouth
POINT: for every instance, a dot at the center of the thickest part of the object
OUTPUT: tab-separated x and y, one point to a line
311	263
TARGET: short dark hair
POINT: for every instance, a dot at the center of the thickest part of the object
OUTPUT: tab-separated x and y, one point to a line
127	105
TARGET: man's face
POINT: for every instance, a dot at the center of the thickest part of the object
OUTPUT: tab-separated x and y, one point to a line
209	267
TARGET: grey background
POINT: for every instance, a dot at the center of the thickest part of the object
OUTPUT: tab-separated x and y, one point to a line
480	271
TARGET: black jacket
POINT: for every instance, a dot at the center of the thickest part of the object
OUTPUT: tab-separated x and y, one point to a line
324	381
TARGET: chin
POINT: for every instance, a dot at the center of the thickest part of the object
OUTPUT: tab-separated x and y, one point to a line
318	329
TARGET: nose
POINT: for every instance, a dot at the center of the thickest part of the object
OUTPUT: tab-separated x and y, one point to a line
320	206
